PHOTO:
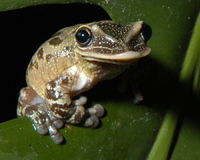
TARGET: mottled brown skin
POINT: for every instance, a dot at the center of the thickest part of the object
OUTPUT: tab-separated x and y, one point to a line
64	67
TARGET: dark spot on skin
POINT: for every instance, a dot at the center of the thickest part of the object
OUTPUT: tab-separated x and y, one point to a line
36	65
40	53
53	95
31	109
67	48
65	80
55	41
57	34
39	115
63	110
32	64
48	57
27	95
78	117
52	84
36	119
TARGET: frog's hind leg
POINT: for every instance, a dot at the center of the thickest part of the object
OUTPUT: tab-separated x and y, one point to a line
62	106
34	107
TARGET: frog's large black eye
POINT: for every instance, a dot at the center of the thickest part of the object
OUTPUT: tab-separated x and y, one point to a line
146	32
83	36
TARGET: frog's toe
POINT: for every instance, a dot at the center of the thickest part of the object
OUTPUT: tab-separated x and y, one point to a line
100	110
42	129
138	97
56	122
95	120
45	123
57	138
51	128
81	101
55	134
92	121
97	110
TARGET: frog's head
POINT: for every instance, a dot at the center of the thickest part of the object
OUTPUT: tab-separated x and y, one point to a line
110	42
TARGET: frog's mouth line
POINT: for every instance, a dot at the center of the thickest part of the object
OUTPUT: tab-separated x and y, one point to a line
120	58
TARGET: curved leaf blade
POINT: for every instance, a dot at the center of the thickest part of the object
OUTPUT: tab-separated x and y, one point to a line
117	138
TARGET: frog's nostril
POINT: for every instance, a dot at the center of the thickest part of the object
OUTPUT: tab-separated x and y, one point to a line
146	32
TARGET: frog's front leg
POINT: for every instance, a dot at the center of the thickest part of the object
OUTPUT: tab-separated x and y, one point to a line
71	111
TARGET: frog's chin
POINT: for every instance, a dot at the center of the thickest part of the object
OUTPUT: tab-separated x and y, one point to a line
120	58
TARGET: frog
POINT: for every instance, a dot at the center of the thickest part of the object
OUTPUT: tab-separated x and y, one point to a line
72	62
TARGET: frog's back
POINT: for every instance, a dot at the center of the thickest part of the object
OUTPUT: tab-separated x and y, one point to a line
51	59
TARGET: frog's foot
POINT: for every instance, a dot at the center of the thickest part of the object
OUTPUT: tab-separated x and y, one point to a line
44	123
138	97
96	112
90	116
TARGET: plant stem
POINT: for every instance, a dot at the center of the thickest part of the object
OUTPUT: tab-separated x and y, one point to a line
165	136
192	54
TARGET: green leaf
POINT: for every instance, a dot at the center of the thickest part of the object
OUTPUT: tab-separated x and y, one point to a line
117	138
187	146
131	131
161	147
192	55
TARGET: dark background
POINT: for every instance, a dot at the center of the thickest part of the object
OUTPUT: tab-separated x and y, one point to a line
22	32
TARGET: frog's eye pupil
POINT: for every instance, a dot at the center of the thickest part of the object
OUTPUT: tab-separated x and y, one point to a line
146	32
83	36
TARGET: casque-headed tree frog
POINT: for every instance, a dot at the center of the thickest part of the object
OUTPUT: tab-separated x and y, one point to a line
72	61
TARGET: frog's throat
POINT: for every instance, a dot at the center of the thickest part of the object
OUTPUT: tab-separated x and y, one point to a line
120	58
